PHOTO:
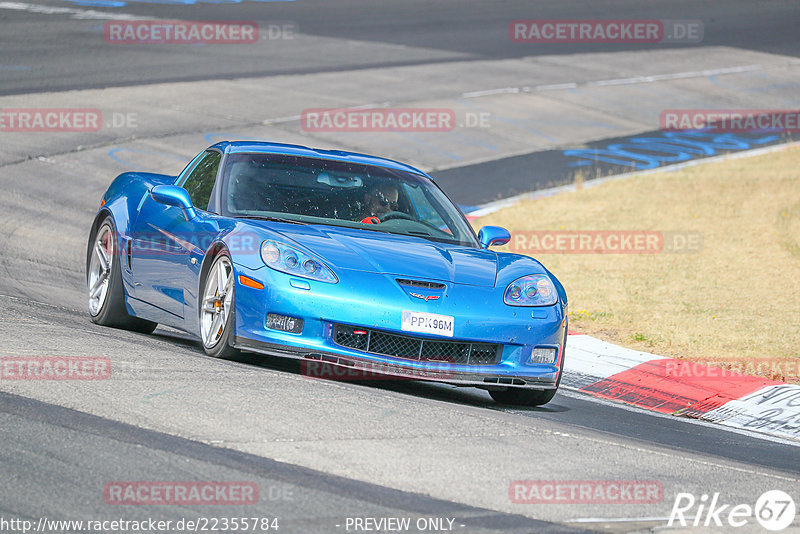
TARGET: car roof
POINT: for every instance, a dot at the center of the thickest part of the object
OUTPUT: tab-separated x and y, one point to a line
264	147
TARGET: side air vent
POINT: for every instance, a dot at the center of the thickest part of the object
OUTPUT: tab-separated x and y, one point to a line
420	283
504	380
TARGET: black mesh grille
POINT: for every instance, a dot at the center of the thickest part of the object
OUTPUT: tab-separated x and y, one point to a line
377	342
390	345
351	337
446	351
483	354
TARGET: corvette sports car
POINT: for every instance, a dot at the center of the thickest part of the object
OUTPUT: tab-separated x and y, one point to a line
330	257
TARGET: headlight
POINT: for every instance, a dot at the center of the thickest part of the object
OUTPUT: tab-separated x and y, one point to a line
292	261
531	290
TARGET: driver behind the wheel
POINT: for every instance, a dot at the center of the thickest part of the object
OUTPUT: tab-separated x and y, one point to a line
378	201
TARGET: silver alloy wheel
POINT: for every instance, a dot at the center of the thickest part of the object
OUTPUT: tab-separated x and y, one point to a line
217	301
102	261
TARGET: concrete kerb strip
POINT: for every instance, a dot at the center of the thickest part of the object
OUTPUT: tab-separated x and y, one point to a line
682	388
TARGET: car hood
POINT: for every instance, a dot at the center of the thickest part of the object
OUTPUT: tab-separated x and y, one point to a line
407	256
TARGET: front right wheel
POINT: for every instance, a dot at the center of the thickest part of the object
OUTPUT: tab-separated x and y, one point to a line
532	397
522	397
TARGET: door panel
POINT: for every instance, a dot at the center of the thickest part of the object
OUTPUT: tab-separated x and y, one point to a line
164	241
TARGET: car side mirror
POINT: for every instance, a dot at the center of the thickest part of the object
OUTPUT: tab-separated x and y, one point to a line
493	235
172	195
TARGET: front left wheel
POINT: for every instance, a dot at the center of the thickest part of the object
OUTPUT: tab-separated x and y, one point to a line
216	309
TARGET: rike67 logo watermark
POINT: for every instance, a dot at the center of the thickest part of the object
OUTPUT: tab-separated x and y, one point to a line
774	510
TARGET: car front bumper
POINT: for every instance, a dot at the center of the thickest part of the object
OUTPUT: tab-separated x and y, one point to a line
375	302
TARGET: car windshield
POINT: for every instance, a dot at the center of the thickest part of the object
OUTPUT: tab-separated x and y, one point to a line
320	191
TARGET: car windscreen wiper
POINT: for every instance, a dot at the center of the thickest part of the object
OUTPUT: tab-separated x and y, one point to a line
270	218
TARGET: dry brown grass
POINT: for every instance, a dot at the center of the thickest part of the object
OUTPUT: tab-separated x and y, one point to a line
736	300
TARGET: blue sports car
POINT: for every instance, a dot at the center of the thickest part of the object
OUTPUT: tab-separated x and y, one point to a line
334	258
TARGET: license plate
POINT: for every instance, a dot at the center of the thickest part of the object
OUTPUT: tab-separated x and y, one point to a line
428	323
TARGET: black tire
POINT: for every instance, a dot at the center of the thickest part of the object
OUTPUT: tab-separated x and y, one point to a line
528	397
223	347
112	311
522	397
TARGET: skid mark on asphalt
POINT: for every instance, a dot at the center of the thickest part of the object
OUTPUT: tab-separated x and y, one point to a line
146	399
135	162
471	141
513	122
216	137
428	146
761	89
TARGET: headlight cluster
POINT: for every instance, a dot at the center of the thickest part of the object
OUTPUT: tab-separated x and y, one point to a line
531	290
293	261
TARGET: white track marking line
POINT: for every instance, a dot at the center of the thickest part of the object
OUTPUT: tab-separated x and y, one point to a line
632	80
616	519
81	14
556	86
501	91
681	75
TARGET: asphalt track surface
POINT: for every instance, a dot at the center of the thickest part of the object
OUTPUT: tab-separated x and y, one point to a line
328	450
302	499
63	57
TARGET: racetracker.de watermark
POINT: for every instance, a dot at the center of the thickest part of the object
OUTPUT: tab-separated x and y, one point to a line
378	120
778	369
367	371
605	242
54	368
605	31
180	493
50	120
167	244
64	120
586	492
196	32
730	120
